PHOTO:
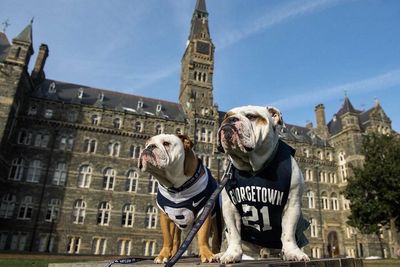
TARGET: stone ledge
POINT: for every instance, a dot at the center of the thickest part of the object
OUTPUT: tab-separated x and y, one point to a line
336	262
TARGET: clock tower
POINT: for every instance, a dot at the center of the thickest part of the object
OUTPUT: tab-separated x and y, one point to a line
196	87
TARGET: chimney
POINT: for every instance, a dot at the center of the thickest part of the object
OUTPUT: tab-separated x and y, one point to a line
37	73
322	129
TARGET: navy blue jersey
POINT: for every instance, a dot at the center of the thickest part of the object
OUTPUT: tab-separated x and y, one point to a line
261	197
183	207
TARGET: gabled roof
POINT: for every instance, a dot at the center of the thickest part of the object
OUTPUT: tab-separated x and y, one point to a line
4	46
68	93
347	107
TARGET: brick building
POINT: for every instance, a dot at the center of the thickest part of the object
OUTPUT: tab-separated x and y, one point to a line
69	181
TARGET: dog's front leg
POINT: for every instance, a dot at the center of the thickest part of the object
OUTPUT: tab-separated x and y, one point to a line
168	236
232	222
290	217
205	252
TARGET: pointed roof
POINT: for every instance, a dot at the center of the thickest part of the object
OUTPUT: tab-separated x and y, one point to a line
4	46
347	107
25	35
201	6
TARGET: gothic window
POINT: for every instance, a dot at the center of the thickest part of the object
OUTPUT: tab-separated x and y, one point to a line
18	241
52	88
158	108
151	217
60	174
195	76
135	151
48	113
7	206
108	179
314	228
138	127
332	178
210	134
74	243
66	143
132	181
90	146
80	93
178	131
41	140
53	209
34	171
140	104
325	201
149	247
99	246
103	215
79	212
306	152
124	247
113	149
334	201
203	135
311	200
346	203
84	176
128	213
308	176
24	137
117	123
320	155
158	129
204	77
342	166
25	209
95	119
153	185
17	169
316	252
329	156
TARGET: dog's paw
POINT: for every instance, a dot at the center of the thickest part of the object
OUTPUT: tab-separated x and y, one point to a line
294	255
206	254
161	259
163	256
231	255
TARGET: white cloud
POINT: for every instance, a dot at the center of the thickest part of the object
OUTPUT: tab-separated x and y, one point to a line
377	83
273	17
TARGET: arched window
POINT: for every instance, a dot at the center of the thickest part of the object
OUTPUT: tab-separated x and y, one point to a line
124	247
90	146
153	185
342	166
128	213
117	123
113	149
306	152
17	169
138	127
24	137
7	206
84	176
95	119
203	135
53	209
159	129
204	77
311	199
151	217
25	209
79	212
41	140
34	171
103	216
135	151
178	131
314	227
108	179
60	174
132	181
334	201
325	201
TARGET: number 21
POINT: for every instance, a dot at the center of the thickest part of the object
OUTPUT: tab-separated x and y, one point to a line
251	217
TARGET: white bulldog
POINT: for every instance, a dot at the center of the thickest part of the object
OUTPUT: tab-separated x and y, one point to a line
185	186
261	204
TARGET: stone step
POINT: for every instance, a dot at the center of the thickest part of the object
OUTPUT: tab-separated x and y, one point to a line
187	262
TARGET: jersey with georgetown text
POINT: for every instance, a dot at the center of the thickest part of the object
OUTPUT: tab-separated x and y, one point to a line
183	207
260	199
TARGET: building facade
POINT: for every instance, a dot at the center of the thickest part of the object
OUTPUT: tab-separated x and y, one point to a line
69	177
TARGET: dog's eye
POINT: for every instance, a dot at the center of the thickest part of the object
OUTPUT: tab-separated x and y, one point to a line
166	144
251	117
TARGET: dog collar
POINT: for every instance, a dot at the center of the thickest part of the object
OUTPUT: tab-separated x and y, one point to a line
198	173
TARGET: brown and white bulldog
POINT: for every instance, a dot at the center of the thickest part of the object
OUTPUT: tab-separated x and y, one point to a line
261	204
184	187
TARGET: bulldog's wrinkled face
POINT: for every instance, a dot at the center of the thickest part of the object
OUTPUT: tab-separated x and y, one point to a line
248	135
164	158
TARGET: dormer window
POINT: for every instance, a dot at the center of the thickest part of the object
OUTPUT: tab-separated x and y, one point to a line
140	104
80	93
52	88
117	123
158	108
101	96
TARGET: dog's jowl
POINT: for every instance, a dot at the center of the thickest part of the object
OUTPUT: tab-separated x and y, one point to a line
261	204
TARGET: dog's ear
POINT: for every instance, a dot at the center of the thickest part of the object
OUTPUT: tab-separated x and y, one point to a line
276	115
187	143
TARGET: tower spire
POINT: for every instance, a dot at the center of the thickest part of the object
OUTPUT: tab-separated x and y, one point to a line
199	28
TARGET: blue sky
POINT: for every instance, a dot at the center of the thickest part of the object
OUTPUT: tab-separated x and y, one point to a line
292	54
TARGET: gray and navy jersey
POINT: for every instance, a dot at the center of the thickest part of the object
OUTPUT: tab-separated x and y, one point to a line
260	198
183	207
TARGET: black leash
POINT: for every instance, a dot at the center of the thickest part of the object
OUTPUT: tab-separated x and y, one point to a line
195	228
203	216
